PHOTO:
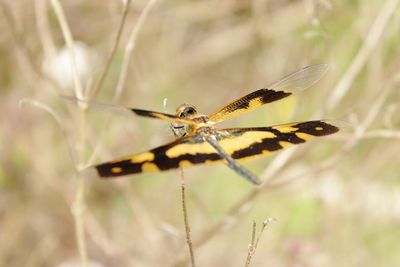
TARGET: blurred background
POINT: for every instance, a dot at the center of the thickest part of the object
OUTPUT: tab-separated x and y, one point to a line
336	200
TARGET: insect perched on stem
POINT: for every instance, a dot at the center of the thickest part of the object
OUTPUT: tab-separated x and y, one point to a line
199	142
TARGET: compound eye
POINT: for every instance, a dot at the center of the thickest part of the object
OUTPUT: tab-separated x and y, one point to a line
190	111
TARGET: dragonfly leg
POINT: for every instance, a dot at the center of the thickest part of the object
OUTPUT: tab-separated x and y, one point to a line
239	169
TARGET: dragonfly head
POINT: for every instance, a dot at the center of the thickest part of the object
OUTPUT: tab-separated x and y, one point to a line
186	111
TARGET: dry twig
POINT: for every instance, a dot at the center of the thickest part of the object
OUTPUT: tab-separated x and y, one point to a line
186	220
254	242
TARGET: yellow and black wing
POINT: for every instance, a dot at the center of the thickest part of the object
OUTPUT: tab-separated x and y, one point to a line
186	151
238	143
288	85
252	142
161	116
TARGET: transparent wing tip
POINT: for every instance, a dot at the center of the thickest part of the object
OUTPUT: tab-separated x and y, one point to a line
301	79
93	104
341	124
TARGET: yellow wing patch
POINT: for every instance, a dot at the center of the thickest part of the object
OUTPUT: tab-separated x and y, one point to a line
116	169
146	156
149	167
304	136
287	128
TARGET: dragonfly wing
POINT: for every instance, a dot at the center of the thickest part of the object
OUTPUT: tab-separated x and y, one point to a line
126	110
301	79
247	103
246	143
161	116
186	151
230	144
285	87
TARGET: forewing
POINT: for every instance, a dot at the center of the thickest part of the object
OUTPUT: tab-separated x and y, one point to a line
288	85
126	110
247	103
161	116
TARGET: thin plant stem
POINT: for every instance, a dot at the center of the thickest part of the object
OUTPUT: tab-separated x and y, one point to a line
44	31
24	55
78	205
129	49
100	81
70	45
254	242
186	220
251	250
373	38
124	67
78	211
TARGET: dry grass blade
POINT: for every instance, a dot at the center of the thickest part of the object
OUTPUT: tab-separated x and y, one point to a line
130	45
70	44
98	85
78	205
372	39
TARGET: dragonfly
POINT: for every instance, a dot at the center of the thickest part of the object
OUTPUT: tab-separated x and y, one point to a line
198	141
